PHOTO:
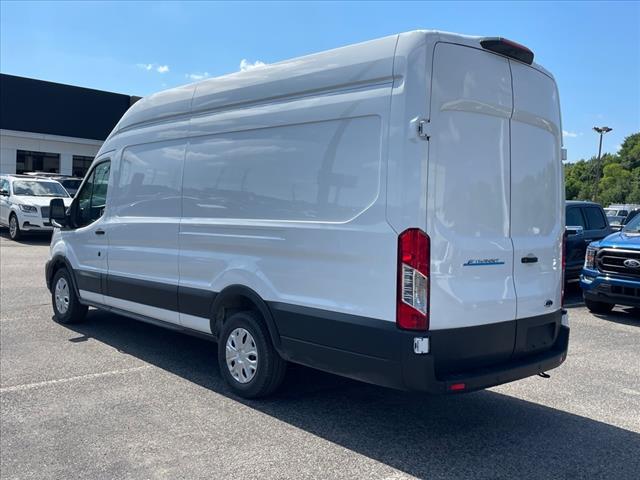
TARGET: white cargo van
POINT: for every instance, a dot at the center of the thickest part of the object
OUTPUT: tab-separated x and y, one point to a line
391	211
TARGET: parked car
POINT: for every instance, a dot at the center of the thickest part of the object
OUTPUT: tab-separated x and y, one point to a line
377	221
611	274
70	184
631	216
24	203
616	222
586	222
620	210
618	225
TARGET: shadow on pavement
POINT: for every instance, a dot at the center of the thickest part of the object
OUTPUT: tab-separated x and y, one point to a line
479	435
622	315
37	238
573	296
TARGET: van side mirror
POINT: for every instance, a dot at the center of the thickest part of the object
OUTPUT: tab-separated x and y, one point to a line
574	231
4	193
57	213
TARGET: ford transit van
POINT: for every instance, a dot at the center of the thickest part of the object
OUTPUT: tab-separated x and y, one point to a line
391	211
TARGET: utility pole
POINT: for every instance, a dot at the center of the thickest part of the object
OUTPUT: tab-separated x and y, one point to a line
601	131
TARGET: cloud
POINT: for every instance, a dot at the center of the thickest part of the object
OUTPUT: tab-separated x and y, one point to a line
153	66
197	76
245	65
568	134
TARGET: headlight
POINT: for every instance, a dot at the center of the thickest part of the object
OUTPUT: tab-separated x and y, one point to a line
590	258
28	208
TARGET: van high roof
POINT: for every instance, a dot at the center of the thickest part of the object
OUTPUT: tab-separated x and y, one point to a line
353	66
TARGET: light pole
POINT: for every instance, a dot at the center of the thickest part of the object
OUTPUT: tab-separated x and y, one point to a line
601	131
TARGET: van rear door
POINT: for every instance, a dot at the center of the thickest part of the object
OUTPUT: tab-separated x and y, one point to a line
469	192
537	196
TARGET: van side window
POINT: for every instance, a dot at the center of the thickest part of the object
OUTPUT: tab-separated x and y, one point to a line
150	180
92	198
320	171
575	218
595	218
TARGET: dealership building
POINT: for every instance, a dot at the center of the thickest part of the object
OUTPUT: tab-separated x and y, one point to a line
51	127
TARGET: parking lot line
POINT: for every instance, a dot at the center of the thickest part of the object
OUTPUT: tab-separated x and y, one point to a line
46	383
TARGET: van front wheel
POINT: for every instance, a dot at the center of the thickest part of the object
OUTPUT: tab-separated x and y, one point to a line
66	307
249	363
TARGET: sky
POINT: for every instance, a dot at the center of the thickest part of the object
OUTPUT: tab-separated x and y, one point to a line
137	48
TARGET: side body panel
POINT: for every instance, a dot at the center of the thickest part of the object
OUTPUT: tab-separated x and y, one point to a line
143	222
288	199
87	251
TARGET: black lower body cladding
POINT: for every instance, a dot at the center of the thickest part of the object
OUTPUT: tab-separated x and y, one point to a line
377	352
373	350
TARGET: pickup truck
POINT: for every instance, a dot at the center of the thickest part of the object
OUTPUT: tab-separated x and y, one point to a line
611	273
586	223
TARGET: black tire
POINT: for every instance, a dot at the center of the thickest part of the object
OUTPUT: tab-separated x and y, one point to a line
598	307
76	312
14	233
270	368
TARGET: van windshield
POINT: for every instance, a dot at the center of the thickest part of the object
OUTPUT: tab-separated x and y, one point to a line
39	189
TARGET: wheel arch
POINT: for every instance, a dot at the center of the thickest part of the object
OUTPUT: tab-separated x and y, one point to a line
237	298
55	264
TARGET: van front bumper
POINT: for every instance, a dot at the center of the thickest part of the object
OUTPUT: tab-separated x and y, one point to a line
603	288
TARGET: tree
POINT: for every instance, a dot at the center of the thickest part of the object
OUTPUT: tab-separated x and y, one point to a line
634	195
615	185
630	151
619	175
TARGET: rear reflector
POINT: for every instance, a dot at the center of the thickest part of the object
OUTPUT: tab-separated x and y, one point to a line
457	387
508	49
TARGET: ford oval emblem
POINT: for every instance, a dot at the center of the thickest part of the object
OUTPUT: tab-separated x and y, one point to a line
632	263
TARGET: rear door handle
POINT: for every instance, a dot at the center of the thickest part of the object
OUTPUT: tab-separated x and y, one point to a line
99	232
529	259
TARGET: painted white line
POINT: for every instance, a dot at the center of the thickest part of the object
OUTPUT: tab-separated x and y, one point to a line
89	376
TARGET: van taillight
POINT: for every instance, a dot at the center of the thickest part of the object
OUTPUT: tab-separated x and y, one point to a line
508	48
413	280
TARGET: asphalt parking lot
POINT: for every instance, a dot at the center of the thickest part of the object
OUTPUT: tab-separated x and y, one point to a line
113	398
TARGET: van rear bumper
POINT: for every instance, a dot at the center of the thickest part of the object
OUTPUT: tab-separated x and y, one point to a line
420	374
377	352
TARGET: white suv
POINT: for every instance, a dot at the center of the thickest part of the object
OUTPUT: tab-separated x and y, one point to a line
24	203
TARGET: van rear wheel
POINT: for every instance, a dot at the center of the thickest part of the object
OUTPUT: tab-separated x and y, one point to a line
598	307
249	363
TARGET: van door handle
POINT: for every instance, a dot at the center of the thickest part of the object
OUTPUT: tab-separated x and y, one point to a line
529	259
99	232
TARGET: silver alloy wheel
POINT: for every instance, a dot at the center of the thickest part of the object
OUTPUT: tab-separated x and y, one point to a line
62	295
13	226
242	355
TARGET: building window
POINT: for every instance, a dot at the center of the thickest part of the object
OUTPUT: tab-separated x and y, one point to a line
80	165
27	161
